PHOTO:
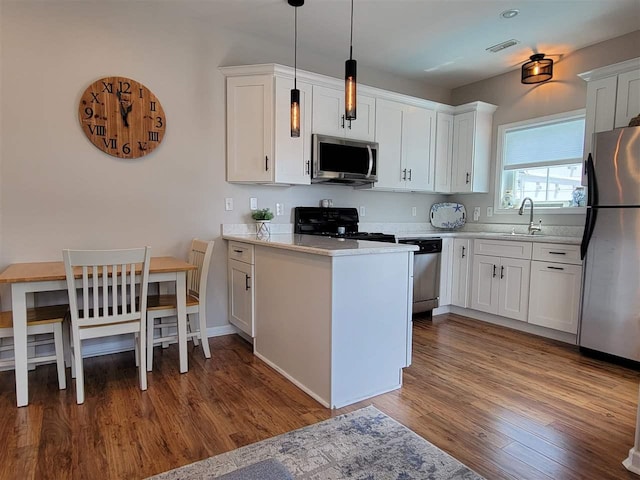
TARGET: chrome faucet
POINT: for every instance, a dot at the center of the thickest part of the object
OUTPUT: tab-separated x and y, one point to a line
532	228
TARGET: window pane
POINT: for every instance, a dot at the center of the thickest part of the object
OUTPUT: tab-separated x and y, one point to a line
544	143
549	186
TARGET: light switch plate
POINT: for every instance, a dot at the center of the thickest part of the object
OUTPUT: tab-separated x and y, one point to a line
476	214
489	211
363	211
253	203
279	208
228	204
413	211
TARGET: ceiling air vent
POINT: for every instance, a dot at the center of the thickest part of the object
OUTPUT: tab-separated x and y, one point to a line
503	45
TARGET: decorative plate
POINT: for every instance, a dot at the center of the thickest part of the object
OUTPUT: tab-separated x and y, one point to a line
448	215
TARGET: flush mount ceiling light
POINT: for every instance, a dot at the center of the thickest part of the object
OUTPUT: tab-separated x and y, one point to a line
537	70
350	67
295	93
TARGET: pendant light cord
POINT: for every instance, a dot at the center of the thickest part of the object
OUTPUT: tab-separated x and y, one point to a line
295	49
351	40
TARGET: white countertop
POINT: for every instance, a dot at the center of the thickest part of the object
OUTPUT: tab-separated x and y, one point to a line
496	236
318	245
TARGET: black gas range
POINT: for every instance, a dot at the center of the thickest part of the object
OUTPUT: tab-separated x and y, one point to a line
334	222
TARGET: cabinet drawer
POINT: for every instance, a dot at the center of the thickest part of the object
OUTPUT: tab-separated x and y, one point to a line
241	251
553	252
502	248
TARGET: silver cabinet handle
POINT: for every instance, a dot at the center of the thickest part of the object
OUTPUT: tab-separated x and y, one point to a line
409	174
404	174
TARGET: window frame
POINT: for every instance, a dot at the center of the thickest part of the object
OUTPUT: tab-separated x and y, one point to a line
537	121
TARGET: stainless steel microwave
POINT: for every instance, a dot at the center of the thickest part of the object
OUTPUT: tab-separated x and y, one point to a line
343	160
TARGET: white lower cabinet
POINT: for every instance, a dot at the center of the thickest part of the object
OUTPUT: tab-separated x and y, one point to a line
446	272
460	277
241	283
500	284
555	287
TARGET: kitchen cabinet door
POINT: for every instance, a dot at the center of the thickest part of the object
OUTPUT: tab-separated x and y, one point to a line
485	284
443	152
328	115
627	98
446	272
463	137
241	296
250	136
555	295
404	134
292	157
601	112
513	296
461	277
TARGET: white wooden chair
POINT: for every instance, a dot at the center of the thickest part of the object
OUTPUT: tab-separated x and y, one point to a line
159	307
106	304
40	321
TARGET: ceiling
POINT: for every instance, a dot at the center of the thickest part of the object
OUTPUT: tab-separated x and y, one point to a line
438	42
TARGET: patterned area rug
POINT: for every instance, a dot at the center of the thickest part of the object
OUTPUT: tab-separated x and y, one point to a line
361	445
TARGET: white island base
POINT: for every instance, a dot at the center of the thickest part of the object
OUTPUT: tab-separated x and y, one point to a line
338	327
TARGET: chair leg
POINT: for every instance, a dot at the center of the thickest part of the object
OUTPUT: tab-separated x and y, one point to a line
136	351
164	332
192	328
202	320
142	343
57	339
77	353
150	332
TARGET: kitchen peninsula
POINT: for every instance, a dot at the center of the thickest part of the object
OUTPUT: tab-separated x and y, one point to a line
331	315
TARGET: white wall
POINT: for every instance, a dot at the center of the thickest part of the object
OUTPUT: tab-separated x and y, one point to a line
564	93
58	191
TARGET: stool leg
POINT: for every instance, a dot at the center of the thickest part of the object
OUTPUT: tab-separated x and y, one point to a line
150	332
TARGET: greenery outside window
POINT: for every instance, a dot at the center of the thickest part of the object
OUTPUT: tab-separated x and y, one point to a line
541	158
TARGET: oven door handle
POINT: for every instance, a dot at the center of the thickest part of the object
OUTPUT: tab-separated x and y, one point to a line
370	161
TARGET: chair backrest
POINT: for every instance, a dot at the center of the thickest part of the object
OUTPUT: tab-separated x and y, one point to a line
108	290
200	256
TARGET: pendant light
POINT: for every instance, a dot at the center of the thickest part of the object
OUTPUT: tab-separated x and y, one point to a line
295	93
350	67
537	70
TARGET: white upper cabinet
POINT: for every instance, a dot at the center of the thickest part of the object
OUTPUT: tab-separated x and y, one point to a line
405	135
444	152
463	148
260	148
613	99
328	114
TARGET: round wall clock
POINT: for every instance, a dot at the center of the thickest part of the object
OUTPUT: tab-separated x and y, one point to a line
122	117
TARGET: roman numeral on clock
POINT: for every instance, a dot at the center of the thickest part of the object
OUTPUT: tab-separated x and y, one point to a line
110	143
97	130
153	136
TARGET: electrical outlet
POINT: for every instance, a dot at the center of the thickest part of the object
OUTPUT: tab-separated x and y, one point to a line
228	204
489	211
363	211
253	203
279	209
476	214
414	211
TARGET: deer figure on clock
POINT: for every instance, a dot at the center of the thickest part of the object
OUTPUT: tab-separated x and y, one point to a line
122	117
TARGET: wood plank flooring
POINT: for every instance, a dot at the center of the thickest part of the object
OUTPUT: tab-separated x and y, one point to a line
507	404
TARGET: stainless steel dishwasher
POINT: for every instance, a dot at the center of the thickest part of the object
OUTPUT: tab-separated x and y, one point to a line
426	272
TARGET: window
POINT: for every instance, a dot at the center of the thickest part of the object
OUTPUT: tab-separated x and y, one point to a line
541	158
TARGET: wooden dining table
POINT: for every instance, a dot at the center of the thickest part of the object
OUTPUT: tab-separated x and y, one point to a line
32	277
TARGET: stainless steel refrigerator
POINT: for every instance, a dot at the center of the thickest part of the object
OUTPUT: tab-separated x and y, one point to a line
610	321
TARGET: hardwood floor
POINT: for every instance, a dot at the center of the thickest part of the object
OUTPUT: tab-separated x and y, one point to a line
507	404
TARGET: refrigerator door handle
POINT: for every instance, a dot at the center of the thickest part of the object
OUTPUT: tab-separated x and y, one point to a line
592	184
589	225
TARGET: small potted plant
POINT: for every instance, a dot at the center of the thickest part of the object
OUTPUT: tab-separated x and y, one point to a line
262	217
